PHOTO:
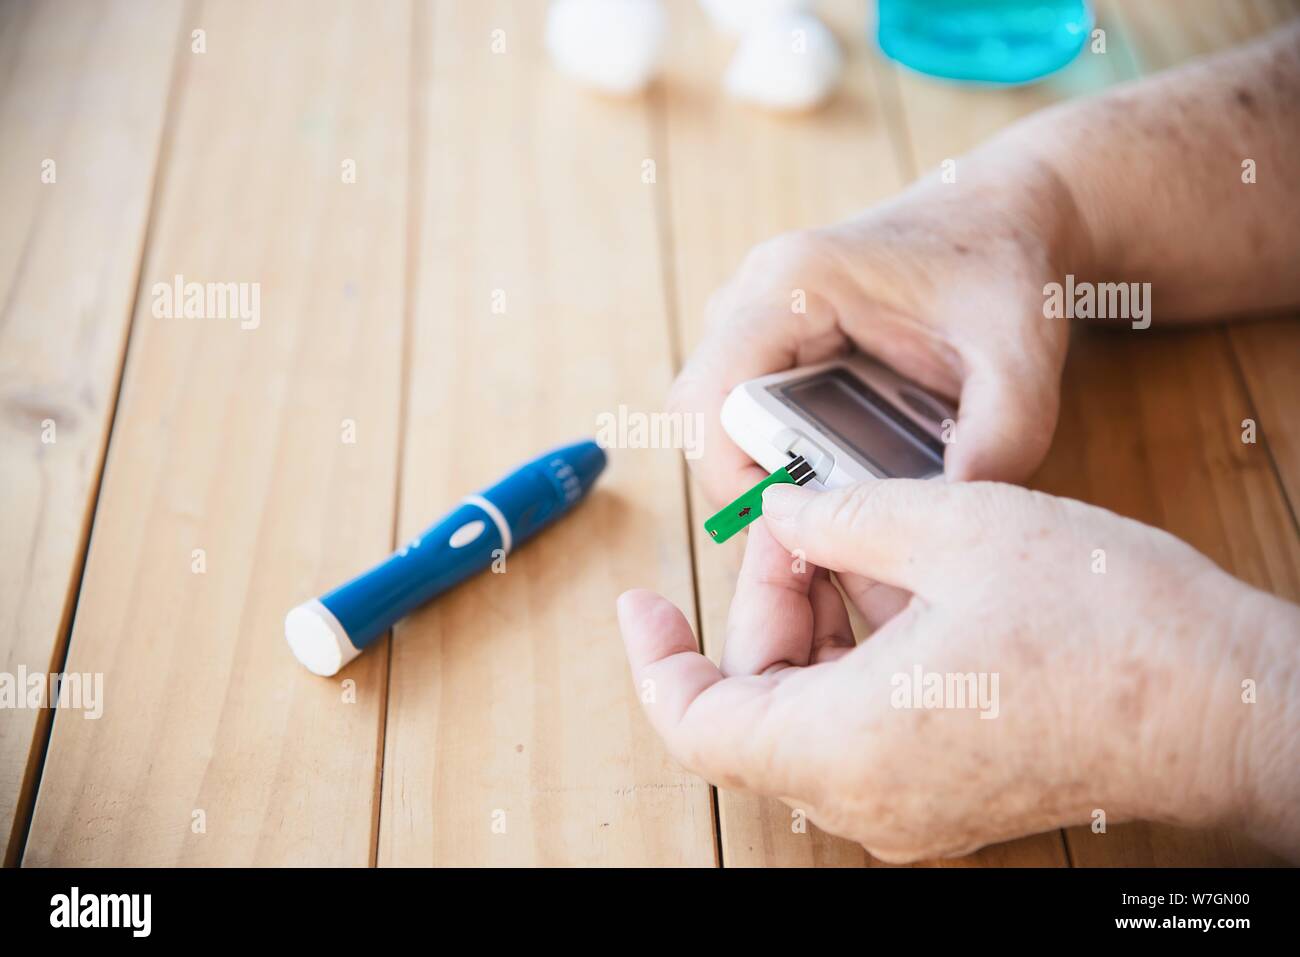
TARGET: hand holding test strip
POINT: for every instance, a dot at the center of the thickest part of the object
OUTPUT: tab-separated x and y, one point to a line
838	423
1120	690
732	518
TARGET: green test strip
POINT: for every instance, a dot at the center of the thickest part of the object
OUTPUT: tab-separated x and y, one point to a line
749	506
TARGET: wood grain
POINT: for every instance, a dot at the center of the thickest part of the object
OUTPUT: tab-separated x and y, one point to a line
85	89
1269	354
515	257
216	746
514	733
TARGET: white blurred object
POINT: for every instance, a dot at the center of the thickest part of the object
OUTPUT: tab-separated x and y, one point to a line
612	45
737	16
789	61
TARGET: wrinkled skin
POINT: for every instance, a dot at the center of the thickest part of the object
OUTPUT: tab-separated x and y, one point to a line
1116	690
944	284
1123	691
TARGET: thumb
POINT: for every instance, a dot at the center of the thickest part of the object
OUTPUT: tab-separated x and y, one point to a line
912	533
1004	426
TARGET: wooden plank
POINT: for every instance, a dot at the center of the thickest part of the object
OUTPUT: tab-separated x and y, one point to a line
514	734
1126	440
85	89
737	176
1269	354
215	745
1163	33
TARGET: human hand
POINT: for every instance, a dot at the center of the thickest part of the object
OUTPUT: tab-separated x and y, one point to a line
1114	686
944	284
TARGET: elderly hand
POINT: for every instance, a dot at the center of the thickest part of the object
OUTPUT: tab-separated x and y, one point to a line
1047	660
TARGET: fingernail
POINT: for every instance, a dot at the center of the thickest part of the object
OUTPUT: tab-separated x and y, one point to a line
781	502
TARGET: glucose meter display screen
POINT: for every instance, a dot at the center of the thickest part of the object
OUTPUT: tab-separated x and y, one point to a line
847	409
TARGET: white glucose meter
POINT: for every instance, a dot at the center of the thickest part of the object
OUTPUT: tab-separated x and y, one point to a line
852	419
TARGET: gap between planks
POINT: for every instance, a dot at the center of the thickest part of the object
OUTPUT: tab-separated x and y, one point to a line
63	640
657	120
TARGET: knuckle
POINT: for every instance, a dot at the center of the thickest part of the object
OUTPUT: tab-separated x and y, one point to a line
784	255
1033	409
992	505
680	393
687	750
717	308
860	506
690	757
701	758
853	507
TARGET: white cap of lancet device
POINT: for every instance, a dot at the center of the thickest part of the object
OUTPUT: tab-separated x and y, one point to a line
317	638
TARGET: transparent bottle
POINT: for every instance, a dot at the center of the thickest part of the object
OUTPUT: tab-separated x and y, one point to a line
984	41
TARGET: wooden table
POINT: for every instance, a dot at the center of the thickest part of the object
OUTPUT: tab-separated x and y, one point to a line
513	257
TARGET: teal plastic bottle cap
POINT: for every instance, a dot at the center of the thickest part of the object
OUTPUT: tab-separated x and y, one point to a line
984	41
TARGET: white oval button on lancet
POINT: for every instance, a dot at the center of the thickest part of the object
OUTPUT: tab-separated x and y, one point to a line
466	534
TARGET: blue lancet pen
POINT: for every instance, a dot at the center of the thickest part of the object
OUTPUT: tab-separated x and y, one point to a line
328	632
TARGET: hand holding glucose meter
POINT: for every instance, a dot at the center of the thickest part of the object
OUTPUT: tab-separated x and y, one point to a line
831	425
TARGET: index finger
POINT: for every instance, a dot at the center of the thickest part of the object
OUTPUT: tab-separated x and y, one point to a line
752	332
784	608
